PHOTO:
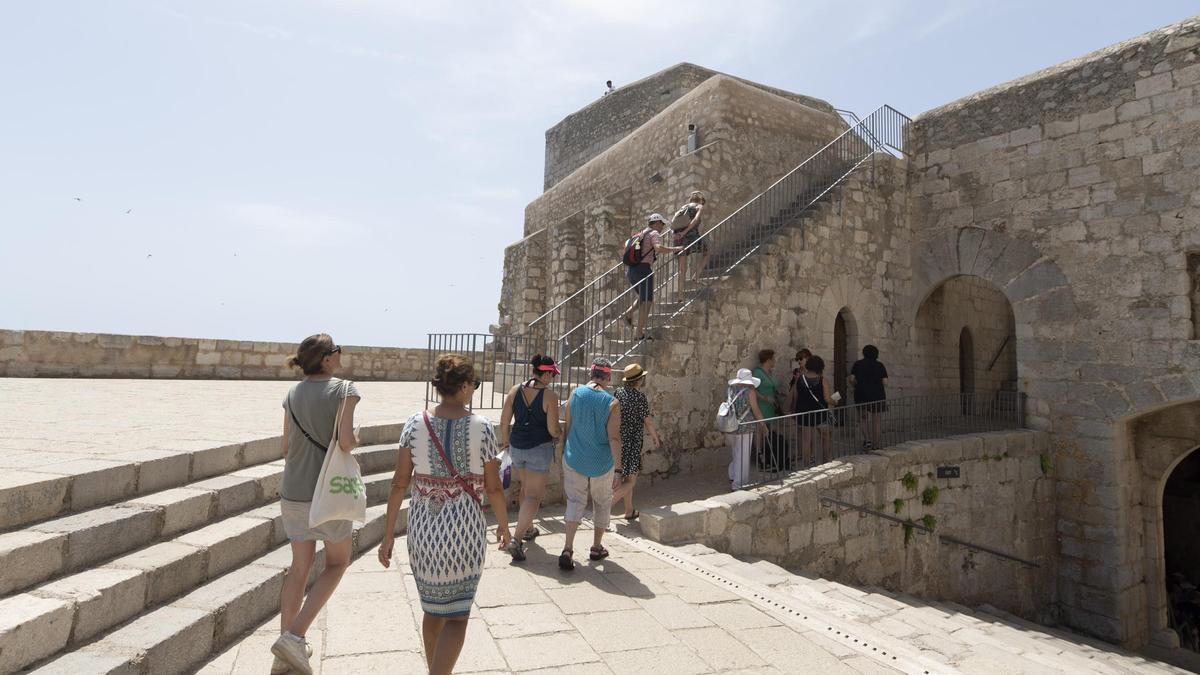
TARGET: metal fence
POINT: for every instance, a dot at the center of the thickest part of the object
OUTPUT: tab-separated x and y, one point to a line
793	442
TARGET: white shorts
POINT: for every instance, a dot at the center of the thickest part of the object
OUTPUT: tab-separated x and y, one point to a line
295	524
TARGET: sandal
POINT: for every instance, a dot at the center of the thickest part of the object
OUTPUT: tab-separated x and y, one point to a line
633	516
531	534
598	553
516	549
564	560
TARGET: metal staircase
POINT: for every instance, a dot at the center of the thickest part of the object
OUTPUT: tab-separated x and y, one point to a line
589	323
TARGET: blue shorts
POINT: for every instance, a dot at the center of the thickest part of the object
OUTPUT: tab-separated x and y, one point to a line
641	277
536	459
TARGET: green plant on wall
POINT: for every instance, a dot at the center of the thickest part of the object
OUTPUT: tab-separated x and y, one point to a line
1047	464
897	504
929	495
908	532
929	521
909	481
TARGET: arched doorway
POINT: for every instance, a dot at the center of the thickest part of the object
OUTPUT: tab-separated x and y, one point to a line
965	335
1181	549
966	368
1166	454
845	350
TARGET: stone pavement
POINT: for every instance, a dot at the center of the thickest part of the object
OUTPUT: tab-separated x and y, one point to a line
48	422
67	445
684	609
633	613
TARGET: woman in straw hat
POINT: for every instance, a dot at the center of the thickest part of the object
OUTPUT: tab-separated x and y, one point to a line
745	403
636	422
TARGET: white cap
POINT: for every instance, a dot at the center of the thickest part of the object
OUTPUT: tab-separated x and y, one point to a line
656	217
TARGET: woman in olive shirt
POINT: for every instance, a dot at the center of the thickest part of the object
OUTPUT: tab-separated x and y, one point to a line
768	392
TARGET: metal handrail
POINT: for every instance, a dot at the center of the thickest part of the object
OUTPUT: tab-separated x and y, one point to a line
916	525
741	229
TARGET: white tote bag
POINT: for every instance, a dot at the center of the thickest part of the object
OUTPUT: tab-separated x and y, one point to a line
340	493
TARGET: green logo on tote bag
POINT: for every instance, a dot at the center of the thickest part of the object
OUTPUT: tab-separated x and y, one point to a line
351	485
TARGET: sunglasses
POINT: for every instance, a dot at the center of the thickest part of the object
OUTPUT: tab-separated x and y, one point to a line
335	350
478	383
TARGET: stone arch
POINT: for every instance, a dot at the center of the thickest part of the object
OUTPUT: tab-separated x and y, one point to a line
845	294
846	343
1032	282
1160	440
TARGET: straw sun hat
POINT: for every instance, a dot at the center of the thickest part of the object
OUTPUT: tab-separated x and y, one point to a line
634	372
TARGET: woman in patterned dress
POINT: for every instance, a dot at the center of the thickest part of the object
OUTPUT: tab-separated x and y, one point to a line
447	533
635	424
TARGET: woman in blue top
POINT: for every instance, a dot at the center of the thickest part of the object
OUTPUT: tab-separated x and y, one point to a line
529	429
593	449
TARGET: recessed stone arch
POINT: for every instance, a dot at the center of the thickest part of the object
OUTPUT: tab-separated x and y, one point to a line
846	294
1160	440
1032	282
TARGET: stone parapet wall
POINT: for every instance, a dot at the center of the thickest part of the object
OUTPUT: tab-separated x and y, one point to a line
586	133
31	353
1002	499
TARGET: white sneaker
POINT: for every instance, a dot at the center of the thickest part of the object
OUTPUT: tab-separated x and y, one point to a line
279	667
294	652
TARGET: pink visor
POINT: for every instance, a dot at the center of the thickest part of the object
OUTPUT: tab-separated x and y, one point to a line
550	368
602	369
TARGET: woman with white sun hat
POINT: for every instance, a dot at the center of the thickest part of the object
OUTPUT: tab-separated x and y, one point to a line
741	394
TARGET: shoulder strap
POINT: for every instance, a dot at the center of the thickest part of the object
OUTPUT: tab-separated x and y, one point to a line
809	388
295	421
437	443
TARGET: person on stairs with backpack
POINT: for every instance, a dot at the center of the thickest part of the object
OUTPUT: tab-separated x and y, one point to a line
740	403
641	252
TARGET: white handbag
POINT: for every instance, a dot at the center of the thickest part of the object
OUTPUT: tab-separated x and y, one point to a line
340	492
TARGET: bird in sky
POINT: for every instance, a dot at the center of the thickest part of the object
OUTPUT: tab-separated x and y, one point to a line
78	199
129	212
149	255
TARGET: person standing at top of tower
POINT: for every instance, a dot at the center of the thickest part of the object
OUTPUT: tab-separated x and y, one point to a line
641	252
608	88
685	224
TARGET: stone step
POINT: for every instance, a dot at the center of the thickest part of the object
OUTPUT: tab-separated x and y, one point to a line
970	640
76	542
78	485
174	637
95	600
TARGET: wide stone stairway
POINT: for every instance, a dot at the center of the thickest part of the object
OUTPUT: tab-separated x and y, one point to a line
159	582
188	578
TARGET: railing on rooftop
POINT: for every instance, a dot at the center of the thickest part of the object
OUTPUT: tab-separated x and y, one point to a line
791	443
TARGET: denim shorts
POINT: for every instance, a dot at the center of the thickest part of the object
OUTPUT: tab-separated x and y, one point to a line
641	277
536	459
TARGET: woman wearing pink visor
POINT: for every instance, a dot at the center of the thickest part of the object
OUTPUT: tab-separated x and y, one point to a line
529	429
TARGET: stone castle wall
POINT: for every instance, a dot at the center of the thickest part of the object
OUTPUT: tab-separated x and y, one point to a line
1087	176
1002	499
753	138
590	131
62	354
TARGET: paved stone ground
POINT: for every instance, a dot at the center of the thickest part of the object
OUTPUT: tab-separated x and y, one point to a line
632	613
46	422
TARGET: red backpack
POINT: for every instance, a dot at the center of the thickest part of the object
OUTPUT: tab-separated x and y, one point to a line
633	249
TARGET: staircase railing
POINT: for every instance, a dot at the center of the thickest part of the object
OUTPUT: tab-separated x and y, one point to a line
591	321
717	252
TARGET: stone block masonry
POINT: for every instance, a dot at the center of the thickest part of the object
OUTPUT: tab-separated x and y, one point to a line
1002	499
29	353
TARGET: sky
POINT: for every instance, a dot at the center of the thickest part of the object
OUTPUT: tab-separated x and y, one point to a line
266	170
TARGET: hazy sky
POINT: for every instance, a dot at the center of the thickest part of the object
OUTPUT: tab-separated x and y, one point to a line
266	170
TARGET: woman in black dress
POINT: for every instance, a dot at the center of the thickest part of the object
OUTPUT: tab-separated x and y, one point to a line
811	394
867	377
